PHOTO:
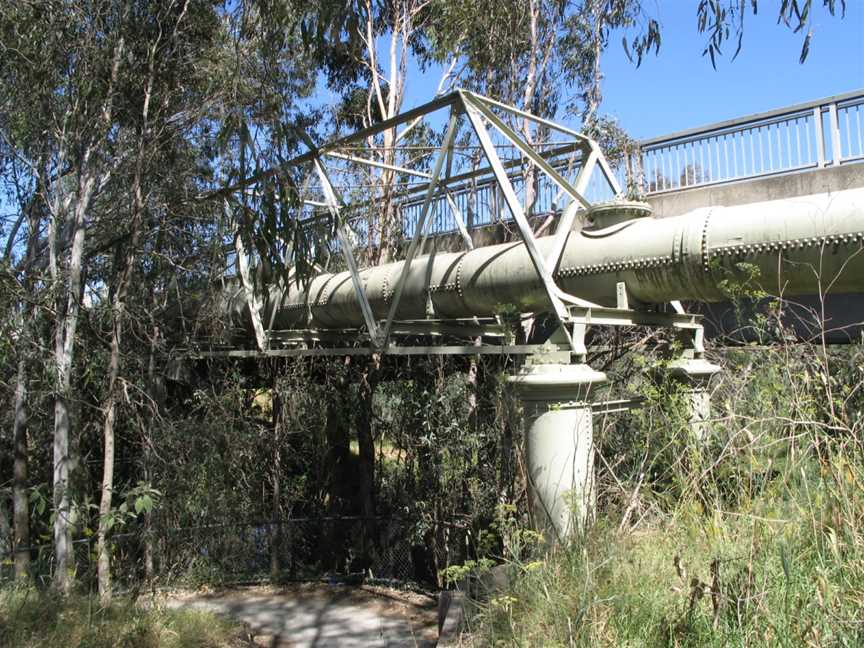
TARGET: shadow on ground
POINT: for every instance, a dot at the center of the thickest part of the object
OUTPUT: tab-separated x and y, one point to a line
324	616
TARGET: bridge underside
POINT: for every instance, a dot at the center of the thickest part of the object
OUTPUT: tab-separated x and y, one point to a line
585	272
506	290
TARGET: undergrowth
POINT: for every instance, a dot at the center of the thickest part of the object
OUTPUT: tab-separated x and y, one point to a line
787	569
31	619
752	535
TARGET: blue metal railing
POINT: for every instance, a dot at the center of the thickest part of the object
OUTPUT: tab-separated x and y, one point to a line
817	134
813	135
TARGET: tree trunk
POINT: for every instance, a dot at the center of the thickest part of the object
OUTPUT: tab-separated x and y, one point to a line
338	460
118	311
20	498
7	537
67	309
366	447
276	479
105	519
156	393
64	345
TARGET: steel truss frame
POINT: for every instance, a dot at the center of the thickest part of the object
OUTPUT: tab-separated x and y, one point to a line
573	313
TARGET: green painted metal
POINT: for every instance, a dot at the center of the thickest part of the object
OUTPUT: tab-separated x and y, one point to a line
795	246
559	443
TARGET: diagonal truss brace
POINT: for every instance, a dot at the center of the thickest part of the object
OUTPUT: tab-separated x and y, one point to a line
333	204
604	164
478	104
556	296
460	222
421	225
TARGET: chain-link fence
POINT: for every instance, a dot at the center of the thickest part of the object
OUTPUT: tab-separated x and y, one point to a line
349	548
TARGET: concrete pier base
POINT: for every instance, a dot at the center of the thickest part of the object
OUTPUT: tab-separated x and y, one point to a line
559	444
695	374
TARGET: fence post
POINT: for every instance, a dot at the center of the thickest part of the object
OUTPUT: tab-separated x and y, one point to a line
820	136
836	145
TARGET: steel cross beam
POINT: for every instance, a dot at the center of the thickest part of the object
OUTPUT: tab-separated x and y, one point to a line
421	225
333	204
556	296
379	165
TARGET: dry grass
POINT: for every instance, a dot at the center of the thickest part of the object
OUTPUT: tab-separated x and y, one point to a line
31	619
753	537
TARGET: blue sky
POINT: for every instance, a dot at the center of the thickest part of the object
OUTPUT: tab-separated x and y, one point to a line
679	89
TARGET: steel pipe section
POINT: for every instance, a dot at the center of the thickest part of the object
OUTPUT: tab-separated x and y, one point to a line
800	246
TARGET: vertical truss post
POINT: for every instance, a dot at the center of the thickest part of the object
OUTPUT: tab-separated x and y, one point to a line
555	295
421	225
333	204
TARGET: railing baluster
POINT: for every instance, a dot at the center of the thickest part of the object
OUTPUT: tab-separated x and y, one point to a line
788	145
770	151
675	178
798	141
858	123
752	153
667	175
688	165
708	157
734	156
761	151
719	166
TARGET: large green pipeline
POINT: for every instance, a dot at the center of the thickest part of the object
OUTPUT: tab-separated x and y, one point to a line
800	245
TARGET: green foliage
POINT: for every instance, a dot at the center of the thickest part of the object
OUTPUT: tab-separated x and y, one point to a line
723	20
751	535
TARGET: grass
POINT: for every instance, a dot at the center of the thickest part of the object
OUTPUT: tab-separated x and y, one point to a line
777	574
31	619
761	542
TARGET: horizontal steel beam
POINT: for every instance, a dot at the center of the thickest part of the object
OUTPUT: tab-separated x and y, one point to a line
395	350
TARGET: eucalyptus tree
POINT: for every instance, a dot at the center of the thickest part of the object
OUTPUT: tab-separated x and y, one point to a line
59	77
107	105
248	73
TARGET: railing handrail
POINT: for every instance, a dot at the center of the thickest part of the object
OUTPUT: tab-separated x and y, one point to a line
750	119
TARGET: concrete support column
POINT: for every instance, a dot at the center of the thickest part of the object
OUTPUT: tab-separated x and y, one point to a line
559	443
695	374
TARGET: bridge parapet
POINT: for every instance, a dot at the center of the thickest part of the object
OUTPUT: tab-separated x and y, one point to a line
763	156
814	135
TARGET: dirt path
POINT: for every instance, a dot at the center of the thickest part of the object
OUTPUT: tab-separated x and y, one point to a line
323	616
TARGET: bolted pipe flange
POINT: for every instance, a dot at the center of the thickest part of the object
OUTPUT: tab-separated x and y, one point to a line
602	215
559	444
